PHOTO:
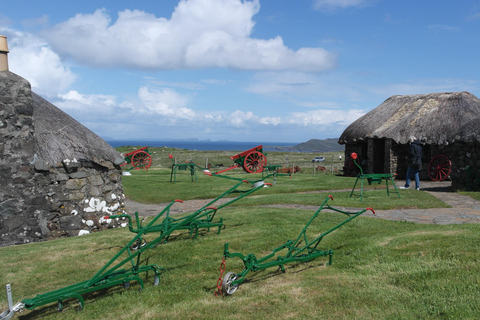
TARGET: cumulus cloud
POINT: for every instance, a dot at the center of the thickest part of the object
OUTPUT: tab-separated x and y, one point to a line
242	119
165	102
74	100
31	58
199	34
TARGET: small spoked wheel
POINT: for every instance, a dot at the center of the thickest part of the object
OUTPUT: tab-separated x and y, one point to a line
439	168
227	287
141	160
139	243
254	162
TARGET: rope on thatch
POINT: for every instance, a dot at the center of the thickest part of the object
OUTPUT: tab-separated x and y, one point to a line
435	118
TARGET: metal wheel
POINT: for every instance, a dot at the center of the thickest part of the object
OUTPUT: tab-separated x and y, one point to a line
439	168
141	160
254	162
227	287
139	243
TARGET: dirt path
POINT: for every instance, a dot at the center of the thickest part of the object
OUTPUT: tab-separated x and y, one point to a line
464	209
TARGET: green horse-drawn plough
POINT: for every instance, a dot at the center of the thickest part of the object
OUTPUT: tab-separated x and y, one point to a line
302	249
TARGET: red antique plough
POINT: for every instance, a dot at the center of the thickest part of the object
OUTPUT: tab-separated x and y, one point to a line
138	159
252	160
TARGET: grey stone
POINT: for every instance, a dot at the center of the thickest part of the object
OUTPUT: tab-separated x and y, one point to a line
79	175
71	223
41	165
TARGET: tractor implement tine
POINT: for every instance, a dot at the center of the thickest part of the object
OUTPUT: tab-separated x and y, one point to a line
11	308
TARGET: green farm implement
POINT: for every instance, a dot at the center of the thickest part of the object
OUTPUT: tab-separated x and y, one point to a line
126	265
190	166
301	250
372	178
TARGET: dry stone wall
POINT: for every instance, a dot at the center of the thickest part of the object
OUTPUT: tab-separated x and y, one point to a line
41	200
465	158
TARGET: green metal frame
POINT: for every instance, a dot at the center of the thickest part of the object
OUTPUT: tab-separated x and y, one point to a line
190	166
300	250
184	166
112	274
373	178
271	168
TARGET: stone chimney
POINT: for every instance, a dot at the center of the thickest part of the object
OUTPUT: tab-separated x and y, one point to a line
3	53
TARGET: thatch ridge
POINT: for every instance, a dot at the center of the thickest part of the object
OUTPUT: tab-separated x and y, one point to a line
434	118
60	137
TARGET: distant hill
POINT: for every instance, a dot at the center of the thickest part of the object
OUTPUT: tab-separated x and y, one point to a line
313	145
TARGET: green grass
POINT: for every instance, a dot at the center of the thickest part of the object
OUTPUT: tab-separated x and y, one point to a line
381	270
154	186
473	194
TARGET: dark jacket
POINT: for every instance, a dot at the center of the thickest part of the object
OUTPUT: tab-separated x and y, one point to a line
415	154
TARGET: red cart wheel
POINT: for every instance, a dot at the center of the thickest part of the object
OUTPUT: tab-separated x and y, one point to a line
141	160
439	168
254	162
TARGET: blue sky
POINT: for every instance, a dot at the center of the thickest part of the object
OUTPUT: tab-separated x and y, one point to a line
258	70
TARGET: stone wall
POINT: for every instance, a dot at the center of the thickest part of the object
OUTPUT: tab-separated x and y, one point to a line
465	158
39	200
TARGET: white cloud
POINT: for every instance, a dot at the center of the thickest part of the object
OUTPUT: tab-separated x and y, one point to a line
199	34
244	119
331	5
31	58
165	102
239	118
440	28
422	86
325	117
101	104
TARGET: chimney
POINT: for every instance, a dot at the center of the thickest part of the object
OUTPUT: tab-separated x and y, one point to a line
3	53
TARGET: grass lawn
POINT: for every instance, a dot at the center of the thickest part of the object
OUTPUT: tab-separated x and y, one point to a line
154	186
381	269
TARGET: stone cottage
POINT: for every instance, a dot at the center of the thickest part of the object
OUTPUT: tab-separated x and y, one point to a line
57	178
443	122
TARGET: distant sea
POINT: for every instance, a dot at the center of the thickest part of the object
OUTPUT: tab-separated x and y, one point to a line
201	145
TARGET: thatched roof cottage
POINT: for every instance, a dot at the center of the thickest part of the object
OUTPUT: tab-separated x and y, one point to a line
57	178
440	120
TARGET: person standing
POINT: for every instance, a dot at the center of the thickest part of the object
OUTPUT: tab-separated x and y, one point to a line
415	155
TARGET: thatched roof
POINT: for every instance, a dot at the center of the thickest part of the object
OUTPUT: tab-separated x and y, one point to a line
60	137
435	118
470	132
